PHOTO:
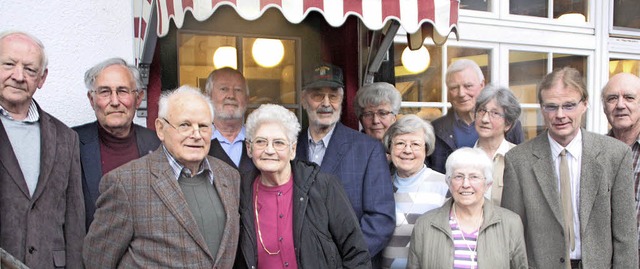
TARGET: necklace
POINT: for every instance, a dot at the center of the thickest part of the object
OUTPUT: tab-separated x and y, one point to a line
473	253
255	207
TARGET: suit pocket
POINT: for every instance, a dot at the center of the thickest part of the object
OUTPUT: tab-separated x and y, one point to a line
59	259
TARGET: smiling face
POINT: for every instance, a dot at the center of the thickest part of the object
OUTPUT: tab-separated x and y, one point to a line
463	88
621	99
323	106
375	125
229	95
408	160
489	126
563	125
115	113
21	72
269	159
188	150
468	192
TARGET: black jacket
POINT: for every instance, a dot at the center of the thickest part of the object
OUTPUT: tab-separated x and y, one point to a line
326	232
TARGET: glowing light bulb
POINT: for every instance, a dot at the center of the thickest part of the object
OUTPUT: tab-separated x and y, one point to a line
267	52
415	61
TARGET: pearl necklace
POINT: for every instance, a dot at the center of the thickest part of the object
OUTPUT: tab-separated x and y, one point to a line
473	251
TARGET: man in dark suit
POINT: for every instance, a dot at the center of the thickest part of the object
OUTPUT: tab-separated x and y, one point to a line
356	158
229	93
41	207
174	208
572	188
456	129
115	92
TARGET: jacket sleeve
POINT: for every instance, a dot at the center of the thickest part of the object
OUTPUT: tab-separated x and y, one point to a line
112	229
415	247
512	191
625	243
74	227
345	229
378	205
517	249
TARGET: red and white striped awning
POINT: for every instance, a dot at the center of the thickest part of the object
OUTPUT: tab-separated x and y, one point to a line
413	15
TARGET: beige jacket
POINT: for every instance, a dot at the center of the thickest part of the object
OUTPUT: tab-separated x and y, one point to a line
500	242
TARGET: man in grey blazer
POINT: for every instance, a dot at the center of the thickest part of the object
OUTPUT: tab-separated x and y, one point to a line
602	232
114	92
174	208
41	205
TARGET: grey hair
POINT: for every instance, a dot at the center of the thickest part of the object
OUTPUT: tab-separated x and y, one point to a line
93	72
469	157
461	65
44	60
409	124
270	113
375	94
505	99
163	104
211	80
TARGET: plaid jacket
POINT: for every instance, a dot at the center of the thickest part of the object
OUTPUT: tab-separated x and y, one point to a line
143	220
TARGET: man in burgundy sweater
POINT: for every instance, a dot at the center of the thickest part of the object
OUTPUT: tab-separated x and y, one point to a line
115	92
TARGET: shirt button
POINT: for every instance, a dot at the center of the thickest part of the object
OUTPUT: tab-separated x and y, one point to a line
286	264
279	193
280	239
281	216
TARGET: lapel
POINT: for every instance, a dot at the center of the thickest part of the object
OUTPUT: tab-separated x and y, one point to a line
338	144
145	140
217	151
167	188
225	191
91	163
590	177
48	145
545	175
446	132
10	163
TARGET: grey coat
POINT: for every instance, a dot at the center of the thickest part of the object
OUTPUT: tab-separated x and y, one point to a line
46	230
500	241
606	209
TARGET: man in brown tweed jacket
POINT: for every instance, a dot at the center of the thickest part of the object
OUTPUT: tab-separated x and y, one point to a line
174	208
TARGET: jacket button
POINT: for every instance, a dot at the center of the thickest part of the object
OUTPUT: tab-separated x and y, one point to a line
32	250
561	260
33	206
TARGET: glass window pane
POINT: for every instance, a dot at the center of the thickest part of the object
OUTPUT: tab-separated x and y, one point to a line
480	56
418	86
480	5
569	9
269	67
525	71
196	56
578	62
532	122
624	66
625	13
536	8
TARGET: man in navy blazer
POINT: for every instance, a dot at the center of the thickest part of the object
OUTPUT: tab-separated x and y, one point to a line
356	158
229	94
113	140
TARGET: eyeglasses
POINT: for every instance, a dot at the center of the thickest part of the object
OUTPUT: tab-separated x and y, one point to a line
492	114
187	129
473	178
263	143
415	146
122	93
319	97
383	114
550	108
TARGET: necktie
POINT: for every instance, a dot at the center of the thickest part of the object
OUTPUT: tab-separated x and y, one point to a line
567	205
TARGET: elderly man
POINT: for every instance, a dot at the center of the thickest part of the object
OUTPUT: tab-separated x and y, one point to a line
572	188
174	208
621	103
456	129
113	140
229	93
356	158
41	207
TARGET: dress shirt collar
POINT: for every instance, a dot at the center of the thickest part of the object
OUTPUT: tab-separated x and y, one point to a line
178	168
32	115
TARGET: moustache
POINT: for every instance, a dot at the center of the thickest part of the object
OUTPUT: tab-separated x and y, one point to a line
324	110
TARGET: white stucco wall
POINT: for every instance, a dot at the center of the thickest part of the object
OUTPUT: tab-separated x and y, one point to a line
77	34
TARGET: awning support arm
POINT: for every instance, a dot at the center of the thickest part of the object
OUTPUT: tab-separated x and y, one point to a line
374	66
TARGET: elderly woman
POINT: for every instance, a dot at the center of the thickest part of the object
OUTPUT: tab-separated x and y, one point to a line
376	106
291	214
496	111
418	189
485	235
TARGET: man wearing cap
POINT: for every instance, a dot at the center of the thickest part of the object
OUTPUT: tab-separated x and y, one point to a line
356	158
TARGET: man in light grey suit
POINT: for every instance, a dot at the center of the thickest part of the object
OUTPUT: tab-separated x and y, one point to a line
173	208
599	187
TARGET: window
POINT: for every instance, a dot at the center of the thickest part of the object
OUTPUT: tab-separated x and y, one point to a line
268	64
625	14
479	5
556	9
624	66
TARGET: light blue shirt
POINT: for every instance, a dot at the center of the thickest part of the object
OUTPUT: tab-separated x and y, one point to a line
318	149
233	149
